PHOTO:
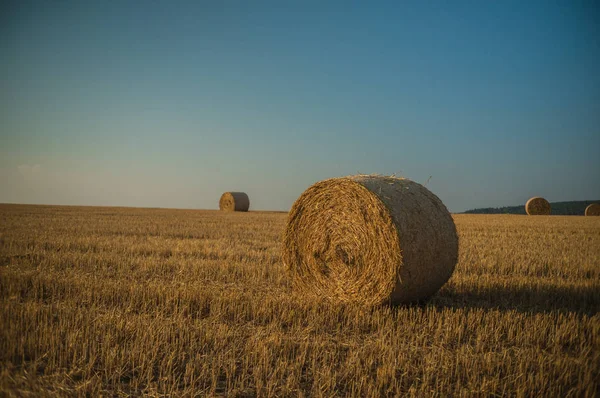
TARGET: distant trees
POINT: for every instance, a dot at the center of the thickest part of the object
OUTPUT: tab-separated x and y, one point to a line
573	208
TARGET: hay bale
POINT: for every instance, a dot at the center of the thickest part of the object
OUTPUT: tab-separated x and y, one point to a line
537	206
369	240
234	201
593	210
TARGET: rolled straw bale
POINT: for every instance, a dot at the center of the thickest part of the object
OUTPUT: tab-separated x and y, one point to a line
234	201
369	239
537	206
593	210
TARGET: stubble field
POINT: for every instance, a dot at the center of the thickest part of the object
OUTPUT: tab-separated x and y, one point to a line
122	301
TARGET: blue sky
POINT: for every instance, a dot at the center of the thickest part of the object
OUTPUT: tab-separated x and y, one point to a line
169	104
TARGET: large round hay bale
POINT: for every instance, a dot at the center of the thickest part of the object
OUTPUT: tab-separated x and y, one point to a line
537	206
593	210
369	240
234	201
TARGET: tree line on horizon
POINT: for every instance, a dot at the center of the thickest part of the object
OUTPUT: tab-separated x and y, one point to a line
572	208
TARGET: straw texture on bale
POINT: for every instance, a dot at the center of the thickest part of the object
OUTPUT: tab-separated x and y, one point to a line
369	240
593	210
537	206
234	201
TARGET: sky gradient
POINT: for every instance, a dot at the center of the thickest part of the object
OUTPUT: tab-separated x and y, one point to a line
169	104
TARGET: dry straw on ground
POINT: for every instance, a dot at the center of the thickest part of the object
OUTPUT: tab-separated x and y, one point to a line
370	240
537	206
234	201
593	210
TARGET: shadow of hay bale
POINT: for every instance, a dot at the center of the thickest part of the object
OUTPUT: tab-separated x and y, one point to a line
583	300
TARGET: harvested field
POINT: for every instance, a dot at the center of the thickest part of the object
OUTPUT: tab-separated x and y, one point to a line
149	301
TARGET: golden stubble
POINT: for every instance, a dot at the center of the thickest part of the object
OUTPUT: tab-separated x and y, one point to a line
119	301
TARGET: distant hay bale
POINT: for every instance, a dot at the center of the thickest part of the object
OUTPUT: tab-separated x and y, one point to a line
537	206
234	201
369	240
593	210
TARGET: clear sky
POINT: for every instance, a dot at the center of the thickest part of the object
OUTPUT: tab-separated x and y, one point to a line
169	103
